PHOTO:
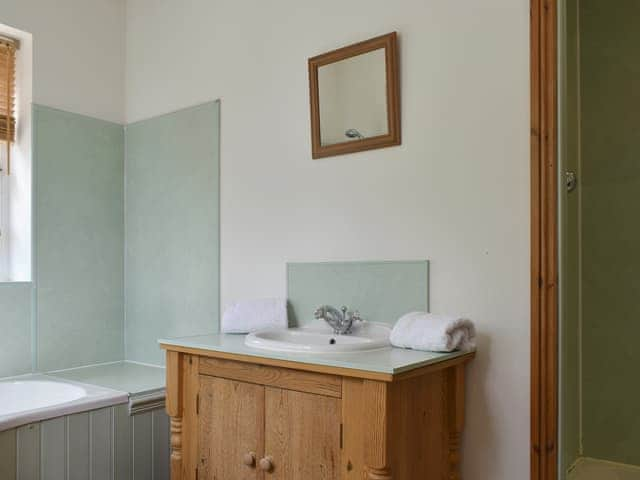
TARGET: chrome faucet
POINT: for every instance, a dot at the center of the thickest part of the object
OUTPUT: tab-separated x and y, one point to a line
340	320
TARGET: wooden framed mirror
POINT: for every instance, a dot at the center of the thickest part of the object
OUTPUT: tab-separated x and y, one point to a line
355	98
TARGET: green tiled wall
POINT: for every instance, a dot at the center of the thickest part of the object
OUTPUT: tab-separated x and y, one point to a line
172	239
79	235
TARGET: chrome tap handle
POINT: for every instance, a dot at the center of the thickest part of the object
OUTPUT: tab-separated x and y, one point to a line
339	320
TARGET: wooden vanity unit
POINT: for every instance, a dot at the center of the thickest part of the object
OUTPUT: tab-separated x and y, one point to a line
245	417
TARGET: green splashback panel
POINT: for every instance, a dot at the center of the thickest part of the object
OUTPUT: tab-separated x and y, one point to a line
79	238
381	291
172	229
15	325
610	74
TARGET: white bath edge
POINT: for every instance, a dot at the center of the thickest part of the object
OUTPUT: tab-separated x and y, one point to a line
95	397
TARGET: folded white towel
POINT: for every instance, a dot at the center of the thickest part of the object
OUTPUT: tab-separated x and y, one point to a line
436	333
252	315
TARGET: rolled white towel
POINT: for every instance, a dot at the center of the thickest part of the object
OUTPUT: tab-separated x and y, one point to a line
251	315
435	333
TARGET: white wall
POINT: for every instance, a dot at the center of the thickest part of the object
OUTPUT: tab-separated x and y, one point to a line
456	191
78	45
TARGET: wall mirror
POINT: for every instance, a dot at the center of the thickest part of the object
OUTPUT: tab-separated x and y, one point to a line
355	102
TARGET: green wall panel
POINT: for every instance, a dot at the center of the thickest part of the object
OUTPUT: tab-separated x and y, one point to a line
79	237
172	229
15	325
381	291
610	75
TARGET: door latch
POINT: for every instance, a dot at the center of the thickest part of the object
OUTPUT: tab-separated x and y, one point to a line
571	180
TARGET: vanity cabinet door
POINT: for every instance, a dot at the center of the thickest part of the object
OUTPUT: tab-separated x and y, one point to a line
231	428
302	435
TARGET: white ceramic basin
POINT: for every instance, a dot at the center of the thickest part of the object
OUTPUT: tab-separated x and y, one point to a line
319	338
32	398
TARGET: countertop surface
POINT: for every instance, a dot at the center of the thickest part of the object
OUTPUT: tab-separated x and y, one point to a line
133	378
386	360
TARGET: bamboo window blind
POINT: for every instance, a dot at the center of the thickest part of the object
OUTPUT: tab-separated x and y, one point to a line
7	96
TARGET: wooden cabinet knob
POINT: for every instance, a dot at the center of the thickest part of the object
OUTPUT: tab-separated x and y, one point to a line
266	464
249	459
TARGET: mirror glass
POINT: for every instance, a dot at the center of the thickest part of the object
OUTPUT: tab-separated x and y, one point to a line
353	98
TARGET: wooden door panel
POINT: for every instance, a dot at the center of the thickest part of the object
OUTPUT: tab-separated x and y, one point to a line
231	425
302	435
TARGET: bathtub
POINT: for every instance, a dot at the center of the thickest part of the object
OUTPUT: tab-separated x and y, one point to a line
55	429
32	398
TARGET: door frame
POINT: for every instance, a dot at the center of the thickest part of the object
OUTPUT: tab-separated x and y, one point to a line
544	240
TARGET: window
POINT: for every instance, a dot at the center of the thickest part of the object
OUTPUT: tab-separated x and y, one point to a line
4	216
16	59
7	139
7	92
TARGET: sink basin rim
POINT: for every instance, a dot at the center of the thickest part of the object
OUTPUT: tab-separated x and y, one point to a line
367	336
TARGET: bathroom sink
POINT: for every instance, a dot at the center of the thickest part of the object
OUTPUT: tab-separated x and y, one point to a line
318	337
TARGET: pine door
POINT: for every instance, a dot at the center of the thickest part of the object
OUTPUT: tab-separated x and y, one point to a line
231	428
302	435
